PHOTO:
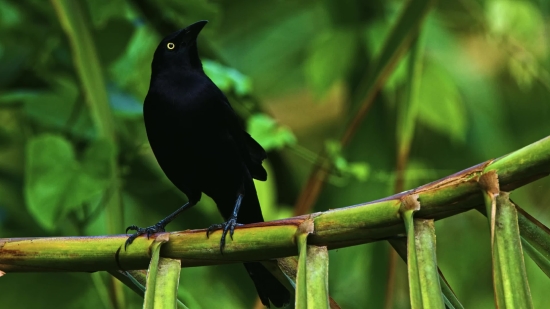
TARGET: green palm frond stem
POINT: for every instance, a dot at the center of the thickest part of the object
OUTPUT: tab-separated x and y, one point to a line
336	228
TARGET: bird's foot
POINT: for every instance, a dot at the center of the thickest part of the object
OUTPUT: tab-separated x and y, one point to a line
228	226
159	227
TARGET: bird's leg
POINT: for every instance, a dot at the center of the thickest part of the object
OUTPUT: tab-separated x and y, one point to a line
159	227
228	226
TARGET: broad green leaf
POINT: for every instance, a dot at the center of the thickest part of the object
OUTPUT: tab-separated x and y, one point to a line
521	23
97	166
227	79
345	169
56	182
519	19
332	56
103	10
524	71
58	107
132	70
10	15
51	167
440	104
268	133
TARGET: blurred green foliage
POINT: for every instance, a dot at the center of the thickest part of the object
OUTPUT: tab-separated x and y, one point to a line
290	69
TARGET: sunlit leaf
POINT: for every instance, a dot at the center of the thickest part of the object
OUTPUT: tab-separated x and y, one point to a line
440	105
332	56
345	169
227	79
519	19
132	70
266	131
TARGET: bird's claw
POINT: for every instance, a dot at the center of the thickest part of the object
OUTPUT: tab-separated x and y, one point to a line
150	230
228	226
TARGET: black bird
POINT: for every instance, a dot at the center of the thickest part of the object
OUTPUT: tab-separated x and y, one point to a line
200	145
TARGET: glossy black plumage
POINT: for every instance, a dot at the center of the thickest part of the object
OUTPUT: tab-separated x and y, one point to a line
200	145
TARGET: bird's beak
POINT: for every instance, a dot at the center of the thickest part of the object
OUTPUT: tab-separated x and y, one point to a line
190	33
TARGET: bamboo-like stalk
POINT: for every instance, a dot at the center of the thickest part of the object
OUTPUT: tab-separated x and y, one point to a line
535	238
304	230
88	68
136	280
151	284
167	283
451	301
514	284
317	278
430	287
509	275
336	228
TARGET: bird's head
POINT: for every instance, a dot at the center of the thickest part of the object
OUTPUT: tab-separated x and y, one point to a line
179	50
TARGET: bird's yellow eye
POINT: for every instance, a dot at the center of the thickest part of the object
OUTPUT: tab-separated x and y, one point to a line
170	45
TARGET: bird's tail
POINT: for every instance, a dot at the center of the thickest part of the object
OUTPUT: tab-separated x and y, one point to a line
268	287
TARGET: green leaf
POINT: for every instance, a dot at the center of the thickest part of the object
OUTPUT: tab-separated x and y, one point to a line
268	133
519	19
50	168
357	170
101	11
57	107
97	166
524	71
332	57
440	104
56	182
10	16
226	78
131	71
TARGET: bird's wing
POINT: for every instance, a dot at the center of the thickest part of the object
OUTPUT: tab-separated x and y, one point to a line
257	155
252	152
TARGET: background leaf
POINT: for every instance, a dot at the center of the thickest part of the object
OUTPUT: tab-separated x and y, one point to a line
56	182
